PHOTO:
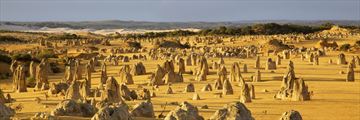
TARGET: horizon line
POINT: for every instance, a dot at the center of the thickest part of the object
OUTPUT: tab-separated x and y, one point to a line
225	21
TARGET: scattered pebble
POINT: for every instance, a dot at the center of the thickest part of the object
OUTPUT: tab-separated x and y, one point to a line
265	90
205	107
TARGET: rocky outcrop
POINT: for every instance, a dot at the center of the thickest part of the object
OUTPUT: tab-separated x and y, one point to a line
138	69
126	94
270	64
218	85
143	109
292	88
202	70
245	70
207	87
111	92
125	76
56	88
3	99
6	112
42	116
185	111
234	111
104	76
227	88
235	74
257	62
189	88
73	92
196	97
257	76
245	96
169	90
172	77
68	75
291	115
19	79
341	59
77	70
157	77
73	108
181	65
350	74
168	66
278	60
118	111
145	94
222	74
88	73
32	69
42	76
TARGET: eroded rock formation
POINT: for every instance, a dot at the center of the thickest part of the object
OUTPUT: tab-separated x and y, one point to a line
292	88
185	111
234	111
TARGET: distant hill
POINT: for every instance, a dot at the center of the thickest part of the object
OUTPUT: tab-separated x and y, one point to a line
118	24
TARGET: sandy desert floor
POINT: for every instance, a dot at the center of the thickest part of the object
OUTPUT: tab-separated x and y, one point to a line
332	98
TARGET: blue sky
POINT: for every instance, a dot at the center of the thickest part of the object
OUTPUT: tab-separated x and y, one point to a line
178	10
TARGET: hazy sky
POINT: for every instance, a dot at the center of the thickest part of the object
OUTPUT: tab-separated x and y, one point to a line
178	10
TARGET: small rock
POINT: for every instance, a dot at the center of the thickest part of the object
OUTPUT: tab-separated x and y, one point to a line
265	90
205	107
196	97
169	90
264	112
173	103
218	95
38	100
152	94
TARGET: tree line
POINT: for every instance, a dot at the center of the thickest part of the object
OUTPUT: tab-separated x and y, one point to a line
256	29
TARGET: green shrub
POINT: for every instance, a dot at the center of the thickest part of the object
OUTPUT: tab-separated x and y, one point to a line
136	45
4	76
30	81
22	57
357	43
54	67
46	54
5	58
9	39
65	36
345	47
173	44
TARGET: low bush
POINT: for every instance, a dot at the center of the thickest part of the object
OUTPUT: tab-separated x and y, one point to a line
345	47
22	57
357	43
54	67
4	76
136	45
30	82
46	54
173	44
7	39
5	58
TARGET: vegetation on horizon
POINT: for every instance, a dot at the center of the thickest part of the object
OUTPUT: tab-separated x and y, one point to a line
264	29
5	39
5	58
65	36
257	29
